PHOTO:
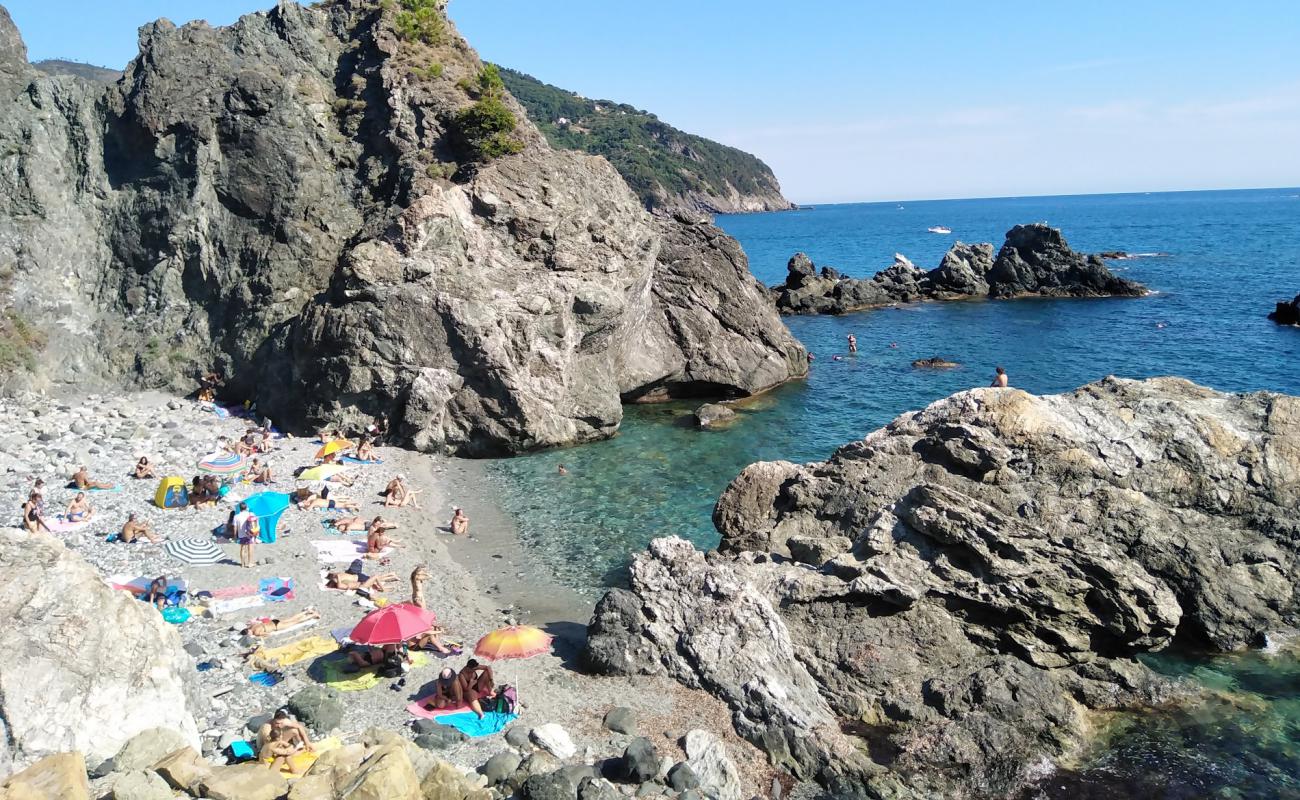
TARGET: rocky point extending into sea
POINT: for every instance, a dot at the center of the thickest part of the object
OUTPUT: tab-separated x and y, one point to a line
1034	261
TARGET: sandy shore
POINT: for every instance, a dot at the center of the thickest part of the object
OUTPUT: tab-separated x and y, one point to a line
481	581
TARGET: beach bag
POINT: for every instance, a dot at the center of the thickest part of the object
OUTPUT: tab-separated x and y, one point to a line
239	751
505	701
393	666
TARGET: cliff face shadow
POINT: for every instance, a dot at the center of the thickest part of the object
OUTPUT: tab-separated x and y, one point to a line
570	640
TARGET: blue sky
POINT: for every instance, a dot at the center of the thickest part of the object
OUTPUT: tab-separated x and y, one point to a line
879	101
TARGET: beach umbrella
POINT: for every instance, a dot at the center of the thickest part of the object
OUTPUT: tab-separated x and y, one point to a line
515	641
393	624
223	463
194	551
334	446
267	507
321	472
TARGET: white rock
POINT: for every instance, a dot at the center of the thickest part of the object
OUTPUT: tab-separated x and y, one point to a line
708	758
554	740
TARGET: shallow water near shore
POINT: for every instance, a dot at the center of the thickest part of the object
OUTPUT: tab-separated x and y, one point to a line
1224	259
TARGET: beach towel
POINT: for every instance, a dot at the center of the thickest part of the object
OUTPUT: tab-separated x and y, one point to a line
342	635
330	671
275	590
116	488
62	525
301	761
288	654
418	708
138	585
307	623
236	604
355	460
338	550
233	591
470	725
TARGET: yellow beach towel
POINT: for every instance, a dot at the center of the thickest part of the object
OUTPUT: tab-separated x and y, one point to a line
301	650
301	761
333	676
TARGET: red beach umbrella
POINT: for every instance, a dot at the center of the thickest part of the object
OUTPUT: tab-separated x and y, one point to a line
392	624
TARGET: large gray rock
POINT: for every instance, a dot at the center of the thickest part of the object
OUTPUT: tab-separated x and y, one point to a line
1034	261
141	785
1010	557
82	667
148	748
271	199
318	707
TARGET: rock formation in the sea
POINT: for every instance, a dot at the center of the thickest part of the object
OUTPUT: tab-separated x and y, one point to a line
1287	312
342	210
82	666
935	610
1035	261
934	362
667	168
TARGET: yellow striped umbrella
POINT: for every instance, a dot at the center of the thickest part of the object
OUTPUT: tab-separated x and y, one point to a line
321	472
516	641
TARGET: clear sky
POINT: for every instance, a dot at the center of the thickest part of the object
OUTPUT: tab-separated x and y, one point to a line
885	100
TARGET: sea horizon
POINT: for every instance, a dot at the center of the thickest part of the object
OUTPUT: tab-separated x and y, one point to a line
1049	196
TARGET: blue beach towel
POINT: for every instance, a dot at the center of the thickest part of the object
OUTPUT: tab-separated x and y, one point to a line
469	724
275	589
264	678
352	460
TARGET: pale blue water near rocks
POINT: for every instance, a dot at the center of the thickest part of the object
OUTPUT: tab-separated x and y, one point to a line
1227	257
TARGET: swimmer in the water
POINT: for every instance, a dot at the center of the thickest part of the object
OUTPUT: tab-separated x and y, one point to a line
811	357
853	343
893	344
837	358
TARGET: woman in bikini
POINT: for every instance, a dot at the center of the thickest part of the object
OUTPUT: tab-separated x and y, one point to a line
259	472
353	580
366	450
143	469
323	500
34	515
264	627
377	537
448	691
346	524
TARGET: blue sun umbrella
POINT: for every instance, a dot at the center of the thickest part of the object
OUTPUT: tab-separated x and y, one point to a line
267	507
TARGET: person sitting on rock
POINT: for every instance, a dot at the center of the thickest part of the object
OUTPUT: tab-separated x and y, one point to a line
143	469
34	514
280	739
459	522
476	683
265	626
79	509
346	524
1000	380
259	472
81	479
399	495
323	500
134	529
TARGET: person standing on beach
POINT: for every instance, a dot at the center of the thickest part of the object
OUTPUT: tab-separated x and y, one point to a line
1000	380
853	343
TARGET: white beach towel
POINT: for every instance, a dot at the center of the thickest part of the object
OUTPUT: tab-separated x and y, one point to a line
236	604
339	550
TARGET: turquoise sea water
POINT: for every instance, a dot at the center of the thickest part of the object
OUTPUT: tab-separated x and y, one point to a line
1226	258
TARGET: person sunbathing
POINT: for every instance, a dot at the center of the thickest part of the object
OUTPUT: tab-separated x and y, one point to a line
157	592
281	739
34	514
201	494
341	478
430	640
366	657
264	626
323	500
134	529
259	472
448	691
143	469
399	495
81	479
353	579
79	509
265	444
476	684
243	448
377	538
346	524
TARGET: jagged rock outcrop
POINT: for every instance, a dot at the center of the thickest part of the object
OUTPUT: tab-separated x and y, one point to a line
1034	261
82	666
933	611
1287	313
291	201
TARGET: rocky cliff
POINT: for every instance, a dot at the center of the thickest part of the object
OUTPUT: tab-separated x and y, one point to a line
935	610
340	209
667	168
1034	261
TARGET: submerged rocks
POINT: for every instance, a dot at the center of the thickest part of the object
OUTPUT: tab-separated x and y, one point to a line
711	415
1007	558
82	667
935	362
1287	313
272	200
1034	261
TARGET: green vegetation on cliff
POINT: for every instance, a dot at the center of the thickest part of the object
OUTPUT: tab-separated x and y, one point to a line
665	166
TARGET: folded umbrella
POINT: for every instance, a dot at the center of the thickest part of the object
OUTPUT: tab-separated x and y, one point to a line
194	551
392	624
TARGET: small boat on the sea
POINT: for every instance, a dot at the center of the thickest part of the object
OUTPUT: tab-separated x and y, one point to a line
939	229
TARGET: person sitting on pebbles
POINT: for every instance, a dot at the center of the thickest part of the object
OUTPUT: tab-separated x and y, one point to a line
459	522
34	514
476	684
365	450
81	479
79	509
157	592
143	469
281	739
265	626
377	538
134	529
399	495
259	472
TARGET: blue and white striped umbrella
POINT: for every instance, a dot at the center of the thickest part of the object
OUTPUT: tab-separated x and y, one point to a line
223	463
194	551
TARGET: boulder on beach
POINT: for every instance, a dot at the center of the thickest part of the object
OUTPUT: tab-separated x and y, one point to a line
82	666
1287	312
1034	261
987	570
359	254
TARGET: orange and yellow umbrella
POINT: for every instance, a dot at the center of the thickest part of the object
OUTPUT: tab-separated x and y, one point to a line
333	447
516	641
